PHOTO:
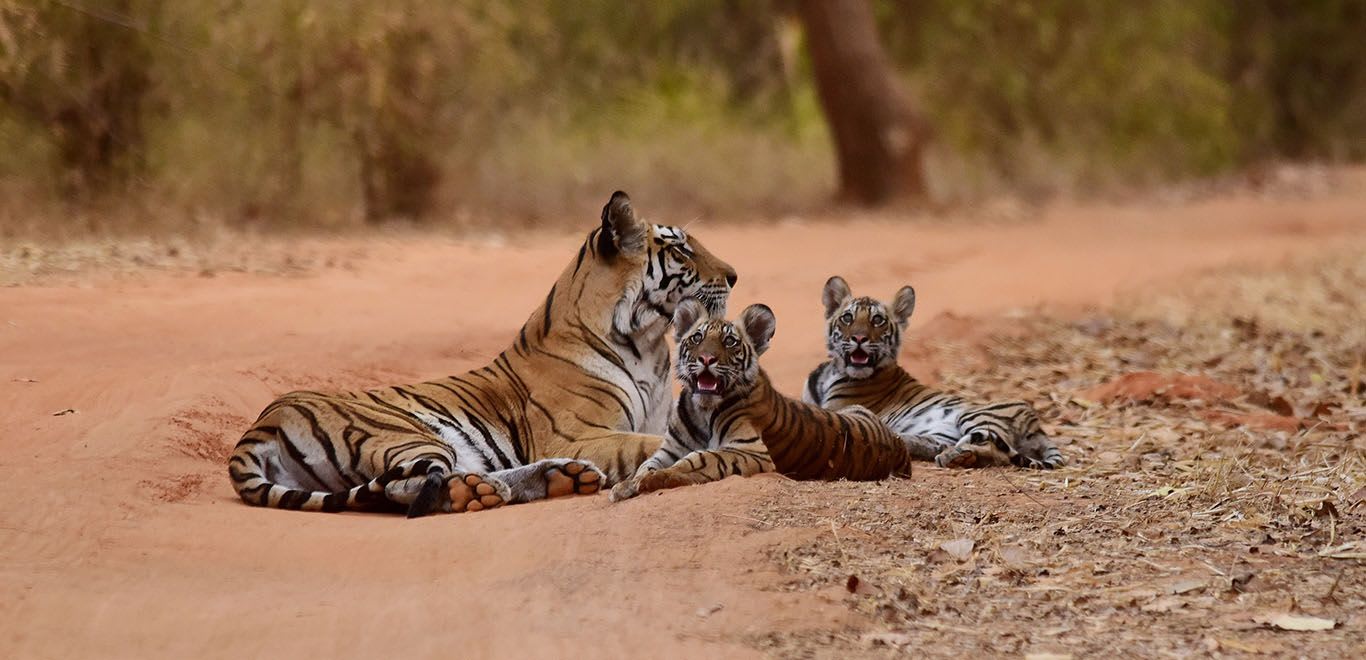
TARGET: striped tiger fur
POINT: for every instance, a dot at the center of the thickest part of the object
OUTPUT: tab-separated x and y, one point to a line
728	419
580	398
863	337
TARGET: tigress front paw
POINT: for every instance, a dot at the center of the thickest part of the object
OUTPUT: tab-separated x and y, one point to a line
476	492
573	477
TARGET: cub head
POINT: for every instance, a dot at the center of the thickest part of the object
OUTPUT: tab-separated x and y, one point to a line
656	266
719	358
863	334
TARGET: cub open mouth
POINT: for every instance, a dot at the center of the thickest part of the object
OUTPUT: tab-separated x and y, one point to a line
859	357
708	383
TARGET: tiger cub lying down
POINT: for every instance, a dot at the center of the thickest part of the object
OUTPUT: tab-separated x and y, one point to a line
729	420
863	337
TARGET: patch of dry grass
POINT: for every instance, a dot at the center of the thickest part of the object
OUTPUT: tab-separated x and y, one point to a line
221	252
1182	526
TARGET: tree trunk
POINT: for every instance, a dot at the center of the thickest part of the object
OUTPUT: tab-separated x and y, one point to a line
879	137
95	108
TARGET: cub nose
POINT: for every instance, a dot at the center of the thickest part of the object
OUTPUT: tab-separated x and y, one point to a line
706	360
859	339
731	278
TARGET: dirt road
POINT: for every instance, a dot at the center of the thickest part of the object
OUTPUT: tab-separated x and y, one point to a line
120	534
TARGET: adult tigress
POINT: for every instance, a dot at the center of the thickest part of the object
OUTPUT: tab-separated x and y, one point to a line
583	388
730	421
863	336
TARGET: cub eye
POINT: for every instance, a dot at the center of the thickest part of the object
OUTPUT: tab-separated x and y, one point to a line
730	342
696	338
879	320
847	318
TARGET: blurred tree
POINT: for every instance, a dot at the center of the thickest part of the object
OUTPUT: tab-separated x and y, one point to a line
83	75
1300	72
395	121
879	137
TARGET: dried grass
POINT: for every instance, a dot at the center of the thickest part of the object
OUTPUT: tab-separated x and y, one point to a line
1181	527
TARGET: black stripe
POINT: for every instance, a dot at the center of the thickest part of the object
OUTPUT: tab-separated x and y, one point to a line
549	301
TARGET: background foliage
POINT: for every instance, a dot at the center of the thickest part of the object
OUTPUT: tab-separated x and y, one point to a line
302	112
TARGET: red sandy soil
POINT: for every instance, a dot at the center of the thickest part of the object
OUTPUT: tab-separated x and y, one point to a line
121	536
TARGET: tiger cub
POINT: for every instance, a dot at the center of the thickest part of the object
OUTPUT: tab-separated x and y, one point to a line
729	420
863	337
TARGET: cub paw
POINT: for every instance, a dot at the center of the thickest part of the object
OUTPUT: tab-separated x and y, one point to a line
649	482
956	457
476	492
573	478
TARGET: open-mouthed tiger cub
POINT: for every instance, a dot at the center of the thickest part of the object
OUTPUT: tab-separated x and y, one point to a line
863	337
729	420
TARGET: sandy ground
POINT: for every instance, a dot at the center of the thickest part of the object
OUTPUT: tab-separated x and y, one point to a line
120	534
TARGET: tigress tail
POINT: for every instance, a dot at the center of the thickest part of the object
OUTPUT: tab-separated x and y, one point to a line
254	487
429	495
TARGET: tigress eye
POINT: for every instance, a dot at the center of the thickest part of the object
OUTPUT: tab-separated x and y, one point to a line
730	342
879	320
847	318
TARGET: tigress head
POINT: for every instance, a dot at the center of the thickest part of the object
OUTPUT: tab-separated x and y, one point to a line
656	266
862	334
719	358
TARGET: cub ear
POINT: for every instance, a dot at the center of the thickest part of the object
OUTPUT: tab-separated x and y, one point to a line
686	315
835	293
759	324
903	305
622	231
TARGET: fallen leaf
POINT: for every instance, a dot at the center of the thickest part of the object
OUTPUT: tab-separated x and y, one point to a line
860	587
1110	457
705	612
1351	550
1249	646
1165	604
25	380
1240	580
1186	586
1167	491
894	639
68	411
1295	622
960	549
1280	406
1014	555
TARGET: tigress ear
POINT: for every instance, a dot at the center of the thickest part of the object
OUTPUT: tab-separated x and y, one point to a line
835	293
759	324
903	305
686	315
622	231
